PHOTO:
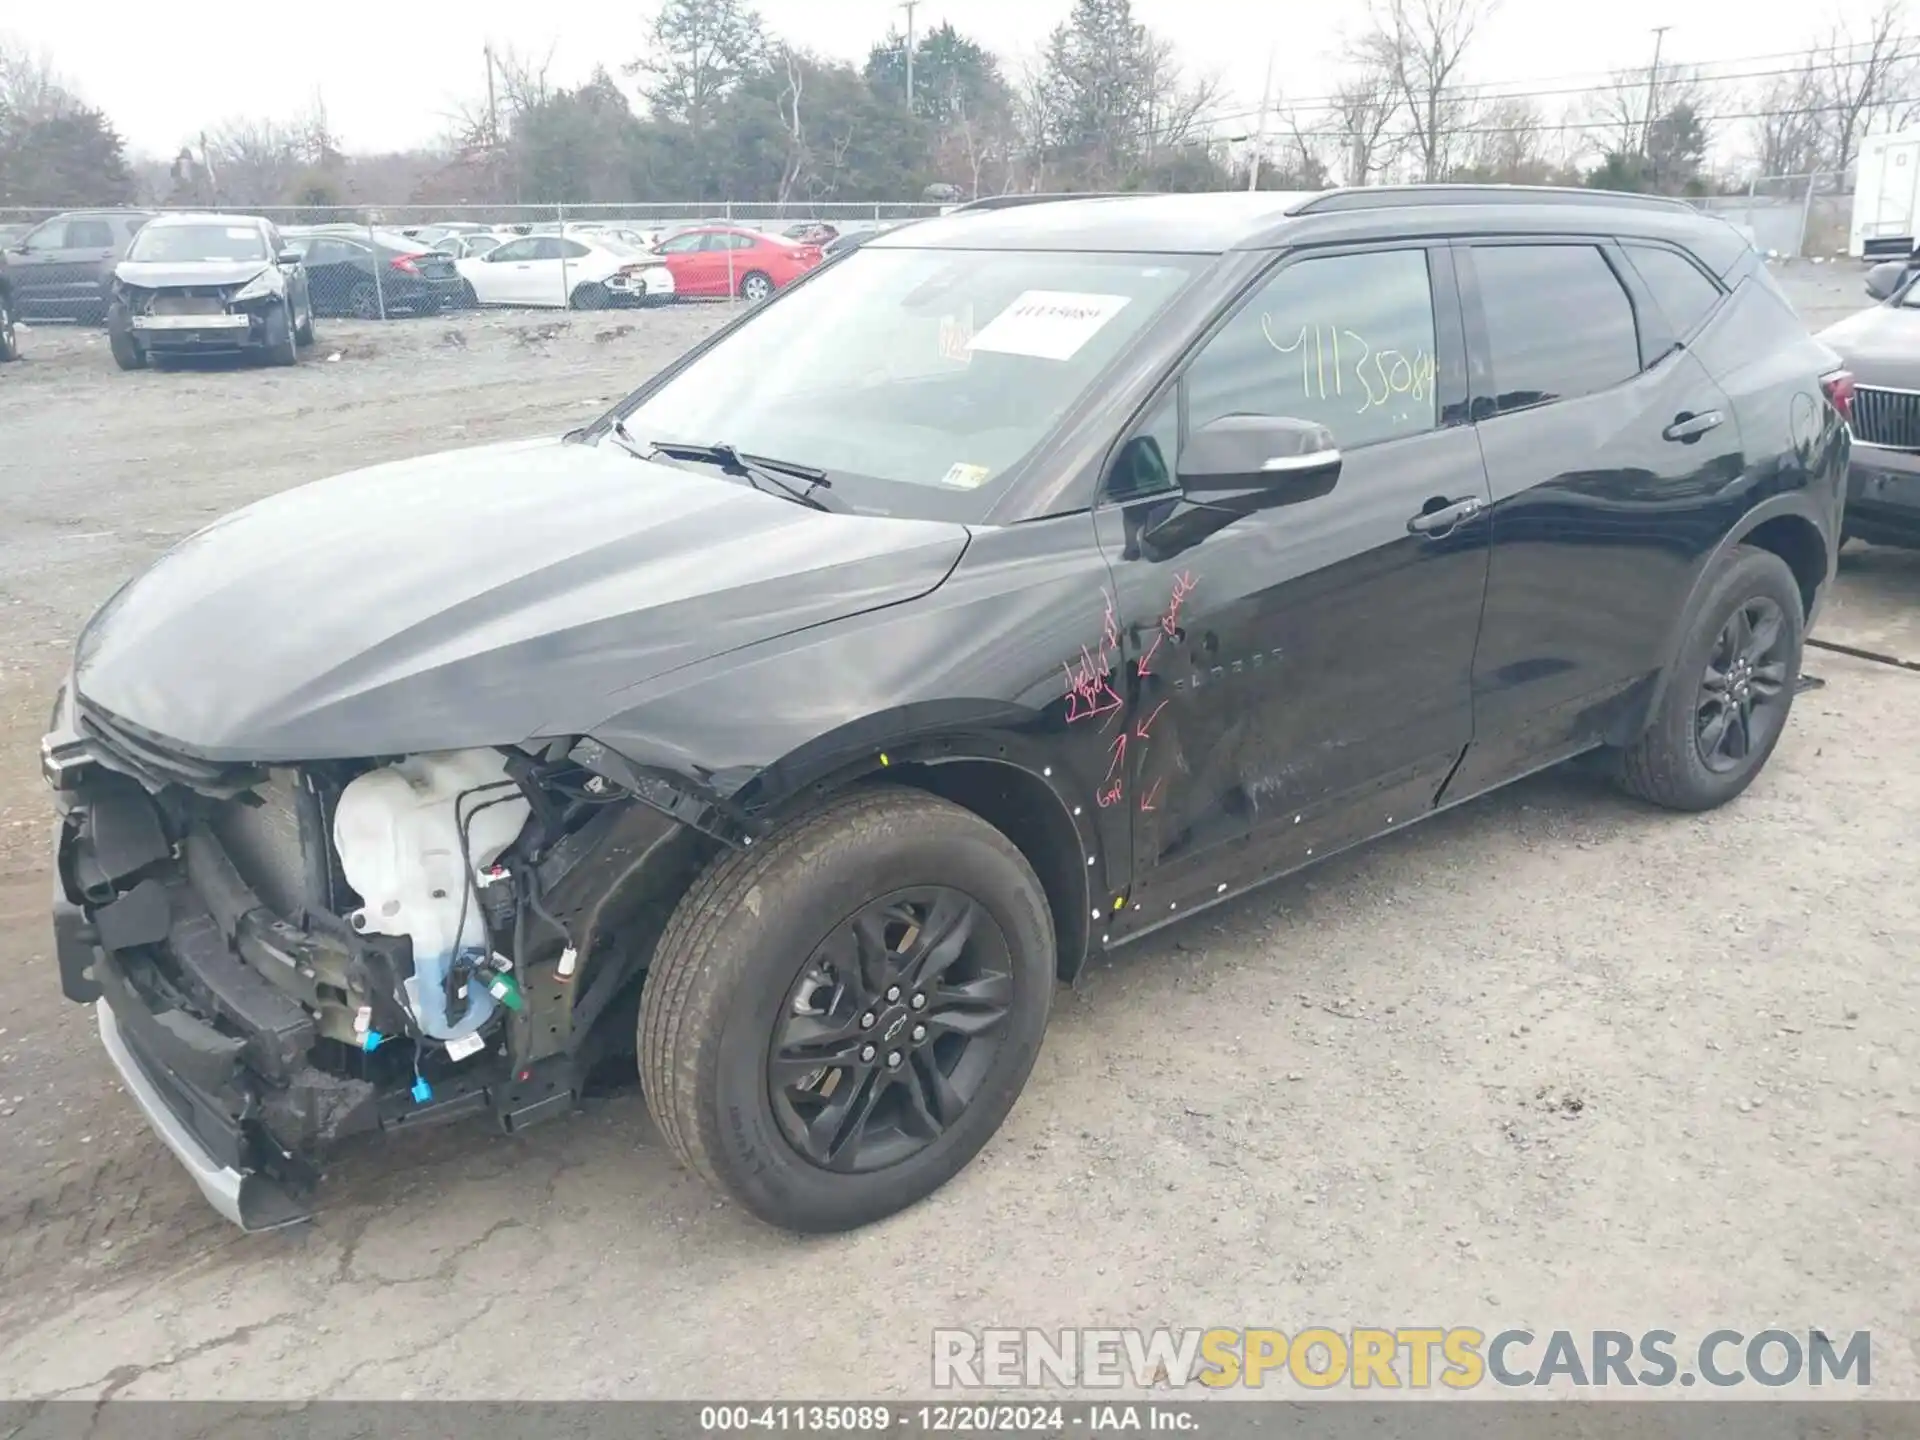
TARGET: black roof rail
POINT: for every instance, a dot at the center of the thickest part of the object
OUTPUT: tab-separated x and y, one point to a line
1379	197
1009	202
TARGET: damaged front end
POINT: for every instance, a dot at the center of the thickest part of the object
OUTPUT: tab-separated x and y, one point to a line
281	958
202	315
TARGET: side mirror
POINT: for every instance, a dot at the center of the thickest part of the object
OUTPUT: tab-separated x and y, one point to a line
1884	278
1267	453
290	257
1238	465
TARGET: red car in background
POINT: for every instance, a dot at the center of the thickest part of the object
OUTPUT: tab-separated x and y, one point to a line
732	260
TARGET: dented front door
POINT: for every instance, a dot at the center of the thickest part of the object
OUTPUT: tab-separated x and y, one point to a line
1301	678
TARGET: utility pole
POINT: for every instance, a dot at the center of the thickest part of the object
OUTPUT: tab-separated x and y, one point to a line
909	6
1653	88
493	115
1260	130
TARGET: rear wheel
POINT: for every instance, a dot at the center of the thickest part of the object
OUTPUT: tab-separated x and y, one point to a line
1731	688
755	286
837	1020
364	301
591	296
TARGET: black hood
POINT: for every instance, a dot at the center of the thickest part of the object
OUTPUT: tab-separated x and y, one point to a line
1879	345
175	274
476	597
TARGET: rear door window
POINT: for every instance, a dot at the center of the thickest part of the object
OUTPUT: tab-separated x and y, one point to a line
1683	293
1559	323
89	235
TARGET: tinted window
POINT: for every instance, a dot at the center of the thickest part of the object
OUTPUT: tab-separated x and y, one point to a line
515	250
89	235
1346	341
1685	296
682	244
1558	323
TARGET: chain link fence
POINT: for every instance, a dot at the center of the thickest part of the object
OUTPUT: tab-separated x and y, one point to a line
1790	217
379	262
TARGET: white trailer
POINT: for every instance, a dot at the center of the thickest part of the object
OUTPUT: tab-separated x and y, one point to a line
1886	196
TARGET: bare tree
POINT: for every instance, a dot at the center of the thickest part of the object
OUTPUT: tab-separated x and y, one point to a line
1419	45
1509	144
1790	129
790	92
1177	107
31	90
1620	114
1859	77
1362	117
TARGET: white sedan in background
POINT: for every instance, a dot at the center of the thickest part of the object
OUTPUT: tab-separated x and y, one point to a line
576	272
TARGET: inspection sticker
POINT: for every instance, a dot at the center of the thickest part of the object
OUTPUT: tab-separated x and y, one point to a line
1048	324
967	477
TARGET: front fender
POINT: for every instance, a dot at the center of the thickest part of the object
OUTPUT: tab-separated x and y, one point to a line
973	671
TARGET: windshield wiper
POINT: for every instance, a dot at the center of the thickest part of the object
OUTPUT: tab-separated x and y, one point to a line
763	474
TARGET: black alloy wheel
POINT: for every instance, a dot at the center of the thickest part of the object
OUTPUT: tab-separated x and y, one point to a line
1738	705
890	1029
9	335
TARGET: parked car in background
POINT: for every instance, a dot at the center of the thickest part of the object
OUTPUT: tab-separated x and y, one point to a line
571	271
63	268
1880	346
733	260
370	273
468	247
198	284
9	332
11	232
811	232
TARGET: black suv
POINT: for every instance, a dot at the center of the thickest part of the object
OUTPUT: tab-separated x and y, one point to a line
1023	582
63	268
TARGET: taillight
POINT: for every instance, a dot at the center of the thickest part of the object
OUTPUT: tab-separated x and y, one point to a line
404	263
1839	390
810	254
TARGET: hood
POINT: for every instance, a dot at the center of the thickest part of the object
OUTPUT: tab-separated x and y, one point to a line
1880	345
476	597
160	274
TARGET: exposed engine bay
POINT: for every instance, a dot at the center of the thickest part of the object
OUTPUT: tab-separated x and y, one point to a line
291	956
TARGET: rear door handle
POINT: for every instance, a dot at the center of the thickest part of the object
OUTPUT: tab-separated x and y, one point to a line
1686	427
1431	522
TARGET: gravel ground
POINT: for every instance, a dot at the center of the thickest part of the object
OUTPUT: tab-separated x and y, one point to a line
1552	1060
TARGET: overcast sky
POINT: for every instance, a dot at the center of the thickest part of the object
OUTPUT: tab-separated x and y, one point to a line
389	73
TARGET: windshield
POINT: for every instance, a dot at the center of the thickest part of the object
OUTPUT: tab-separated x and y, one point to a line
936	370
173	243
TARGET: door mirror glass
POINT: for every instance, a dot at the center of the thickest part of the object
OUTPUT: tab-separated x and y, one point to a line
1260	452
286	257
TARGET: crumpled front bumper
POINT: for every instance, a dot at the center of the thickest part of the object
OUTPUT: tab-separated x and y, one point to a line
185	1075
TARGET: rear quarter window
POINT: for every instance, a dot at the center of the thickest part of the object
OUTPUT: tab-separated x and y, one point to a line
1680	288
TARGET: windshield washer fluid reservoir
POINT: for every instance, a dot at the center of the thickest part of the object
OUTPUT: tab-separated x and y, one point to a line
398	838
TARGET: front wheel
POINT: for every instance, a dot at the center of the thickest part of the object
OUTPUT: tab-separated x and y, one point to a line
1729	693
303	335
127	352
9	335
283	337
837	1020
590	296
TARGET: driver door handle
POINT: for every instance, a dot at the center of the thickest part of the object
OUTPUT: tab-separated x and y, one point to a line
1687	427
1444	518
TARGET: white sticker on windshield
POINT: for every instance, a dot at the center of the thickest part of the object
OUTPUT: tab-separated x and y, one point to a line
1048	324
239	232
966	477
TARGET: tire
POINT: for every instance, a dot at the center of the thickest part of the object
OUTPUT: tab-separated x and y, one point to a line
590	296
9	335
363	300
283	340
303	335
468	298
755	286
127	353
1669	765
743	944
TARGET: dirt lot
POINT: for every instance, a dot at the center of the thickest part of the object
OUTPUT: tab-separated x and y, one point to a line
1552	1060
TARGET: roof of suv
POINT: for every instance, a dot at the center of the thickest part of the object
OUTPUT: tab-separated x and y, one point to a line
1216	222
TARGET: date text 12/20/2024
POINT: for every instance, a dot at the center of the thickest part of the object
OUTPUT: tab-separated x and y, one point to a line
1092	1418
